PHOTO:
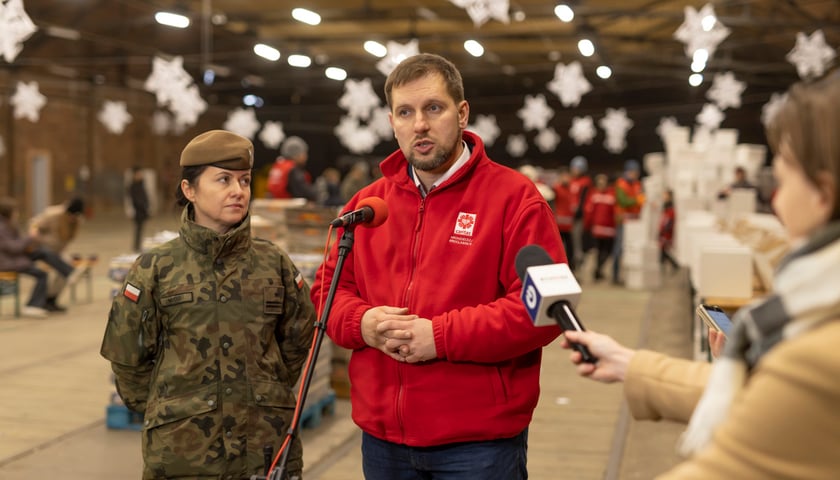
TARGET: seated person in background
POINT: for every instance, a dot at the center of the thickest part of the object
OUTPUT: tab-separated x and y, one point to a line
54	229
767	407
740	182
18	254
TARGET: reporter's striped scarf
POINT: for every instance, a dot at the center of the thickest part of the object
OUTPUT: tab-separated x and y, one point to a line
806	291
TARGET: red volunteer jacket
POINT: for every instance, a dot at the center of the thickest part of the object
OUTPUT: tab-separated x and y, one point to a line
448	257
599	213
278	178
564	214
579	187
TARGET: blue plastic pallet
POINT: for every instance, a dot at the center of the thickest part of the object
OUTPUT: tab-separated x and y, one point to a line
118	417
313	413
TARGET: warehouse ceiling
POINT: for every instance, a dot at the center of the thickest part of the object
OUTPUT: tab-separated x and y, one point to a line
114	41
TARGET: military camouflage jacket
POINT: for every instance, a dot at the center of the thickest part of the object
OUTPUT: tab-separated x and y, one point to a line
207	338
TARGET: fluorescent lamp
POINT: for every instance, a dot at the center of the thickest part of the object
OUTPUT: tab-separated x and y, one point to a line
708	23
697	67
586	47
376	48
564	13
300	61
268	53
474	48
604	72
172	19
335	73
701	55
306	16
695	79
253	100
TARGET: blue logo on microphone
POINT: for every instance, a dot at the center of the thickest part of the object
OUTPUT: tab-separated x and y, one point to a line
531	297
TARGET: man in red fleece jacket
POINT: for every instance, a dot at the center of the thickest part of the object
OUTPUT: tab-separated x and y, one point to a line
445	366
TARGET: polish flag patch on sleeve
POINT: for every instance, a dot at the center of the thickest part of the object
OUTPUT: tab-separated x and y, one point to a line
131	292
299	280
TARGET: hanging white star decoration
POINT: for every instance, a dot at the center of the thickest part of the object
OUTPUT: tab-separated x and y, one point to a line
726	91
397	52
359	99
536	113
811	55
380	123
486	128
28	101
114	116
242	121
15	28
161	123
174	89
772	107
480	11
569	84
697	31
517	145
272	134
615	125
710	117
583	130
355	137
547	140
666	124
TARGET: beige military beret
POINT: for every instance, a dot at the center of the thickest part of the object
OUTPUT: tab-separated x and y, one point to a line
219	148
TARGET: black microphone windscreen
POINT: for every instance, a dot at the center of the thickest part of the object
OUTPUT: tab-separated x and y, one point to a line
531	256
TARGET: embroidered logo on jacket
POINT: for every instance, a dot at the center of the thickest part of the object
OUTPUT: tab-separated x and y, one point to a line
464	226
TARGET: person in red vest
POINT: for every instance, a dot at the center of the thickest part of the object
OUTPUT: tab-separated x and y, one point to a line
579	187
599	220
288	177
563	213
629	200
666	231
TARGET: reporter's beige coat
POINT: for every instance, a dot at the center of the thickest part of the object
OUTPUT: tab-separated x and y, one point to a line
784	424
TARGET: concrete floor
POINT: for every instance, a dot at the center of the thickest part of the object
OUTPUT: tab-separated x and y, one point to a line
55	388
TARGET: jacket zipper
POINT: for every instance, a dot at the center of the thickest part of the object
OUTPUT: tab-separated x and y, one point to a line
414	251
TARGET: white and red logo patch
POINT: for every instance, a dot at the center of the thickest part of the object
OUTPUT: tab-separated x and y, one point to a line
465	224
131	292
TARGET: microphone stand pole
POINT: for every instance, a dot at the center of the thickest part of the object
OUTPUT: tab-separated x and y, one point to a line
344	247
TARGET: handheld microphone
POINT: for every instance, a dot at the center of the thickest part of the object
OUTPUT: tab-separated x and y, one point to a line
371	212
550	293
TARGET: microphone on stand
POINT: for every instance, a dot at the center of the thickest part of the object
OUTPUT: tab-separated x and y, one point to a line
550	292
370	212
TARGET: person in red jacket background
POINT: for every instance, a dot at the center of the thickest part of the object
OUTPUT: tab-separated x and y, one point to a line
579	187
629	200
445	360
288	177
599	220
564	215
666	231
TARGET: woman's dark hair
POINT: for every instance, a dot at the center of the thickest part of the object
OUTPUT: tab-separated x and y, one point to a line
76	206
190	174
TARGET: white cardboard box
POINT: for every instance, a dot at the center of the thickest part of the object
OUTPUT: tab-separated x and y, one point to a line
725	271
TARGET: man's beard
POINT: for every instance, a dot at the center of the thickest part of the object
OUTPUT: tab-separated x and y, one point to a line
439	157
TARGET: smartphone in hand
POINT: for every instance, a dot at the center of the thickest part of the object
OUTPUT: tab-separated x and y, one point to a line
715	318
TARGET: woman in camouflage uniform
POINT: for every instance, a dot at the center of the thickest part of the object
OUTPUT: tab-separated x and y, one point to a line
208	335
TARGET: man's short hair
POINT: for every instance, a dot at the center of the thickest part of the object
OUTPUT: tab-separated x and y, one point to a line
293	147
421	65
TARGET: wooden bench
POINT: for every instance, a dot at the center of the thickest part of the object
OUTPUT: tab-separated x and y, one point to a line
87	264
10	286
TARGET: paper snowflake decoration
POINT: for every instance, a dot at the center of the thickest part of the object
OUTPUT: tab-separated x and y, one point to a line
615	125
168	80
726	91
114	116
272	134
242	121
397	52
188	107
161	123
516	145
486	128
772	107
480	11
547	140
15	28
583	130
536	113
710	117
811	55
695	36
569	84
380	123
28	101
355	137
359	99
666	124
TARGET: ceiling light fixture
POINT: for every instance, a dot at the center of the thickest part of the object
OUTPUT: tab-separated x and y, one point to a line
586	47
62	32
697	67
604	72
375	48
474	48
172	19
253	100
708	23
336	73
306	16
267	52
564	13
695	79
300	61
